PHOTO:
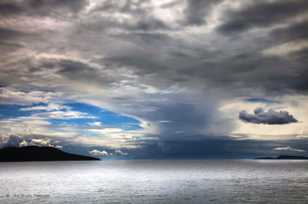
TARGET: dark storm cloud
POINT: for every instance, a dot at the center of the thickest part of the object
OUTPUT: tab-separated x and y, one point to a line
174	61
67	67
171	60
214	147
73	69
183	119
261	14
270	117
231	65
167	72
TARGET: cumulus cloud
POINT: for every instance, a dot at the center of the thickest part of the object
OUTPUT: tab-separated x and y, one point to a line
104	153
22	141
289	149
98	153
38	142
270	117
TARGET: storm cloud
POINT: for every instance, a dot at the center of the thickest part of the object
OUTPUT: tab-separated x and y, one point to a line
270	117
181	71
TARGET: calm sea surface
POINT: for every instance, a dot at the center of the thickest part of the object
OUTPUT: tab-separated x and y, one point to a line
152	181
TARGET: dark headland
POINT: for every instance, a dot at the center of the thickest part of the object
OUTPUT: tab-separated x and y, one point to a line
35	153
285	157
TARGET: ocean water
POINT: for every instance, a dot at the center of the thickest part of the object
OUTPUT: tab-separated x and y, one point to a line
152	181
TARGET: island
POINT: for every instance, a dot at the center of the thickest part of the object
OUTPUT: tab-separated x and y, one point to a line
36	153
284	157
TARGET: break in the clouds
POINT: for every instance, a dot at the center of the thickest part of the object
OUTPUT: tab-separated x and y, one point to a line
151	78
271	117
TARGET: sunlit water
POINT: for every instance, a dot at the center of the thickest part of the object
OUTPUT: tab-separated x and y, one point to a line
170	181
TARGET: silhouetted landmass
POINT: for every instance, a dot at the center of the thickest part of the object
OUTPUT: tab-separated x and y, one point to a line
281	157
34	153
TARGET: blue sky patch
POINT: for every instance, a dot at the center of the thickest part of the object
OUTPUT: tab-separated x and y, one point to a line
96	114
107	118
12	111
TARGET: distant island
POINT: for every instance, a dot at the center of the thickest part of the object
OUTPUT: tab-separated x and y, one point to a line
285	157
35	153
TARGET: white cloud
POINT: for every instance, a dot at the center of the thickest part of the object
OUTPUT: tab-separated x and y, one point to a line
58	114
49	107
40	142
14	96
96	124
98	153
288	148
165	121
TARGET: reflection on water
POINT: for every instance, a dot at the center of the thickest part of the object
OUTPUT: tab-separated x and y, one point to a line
150	181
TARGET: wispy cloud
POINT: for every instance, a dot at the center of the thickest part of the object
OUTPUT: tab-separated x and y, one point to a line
288	148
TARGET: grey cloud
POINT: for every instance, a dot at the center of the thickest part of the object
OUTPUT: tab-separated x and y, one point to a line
10	34
141	19
197	11
41	7
171	60
191	71
296	31
9	8
81	71
261	14
186	119
270	117
138	17
189	119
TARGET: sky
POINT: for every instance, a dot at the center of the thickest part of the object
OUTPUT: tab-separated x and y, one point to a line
157	79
